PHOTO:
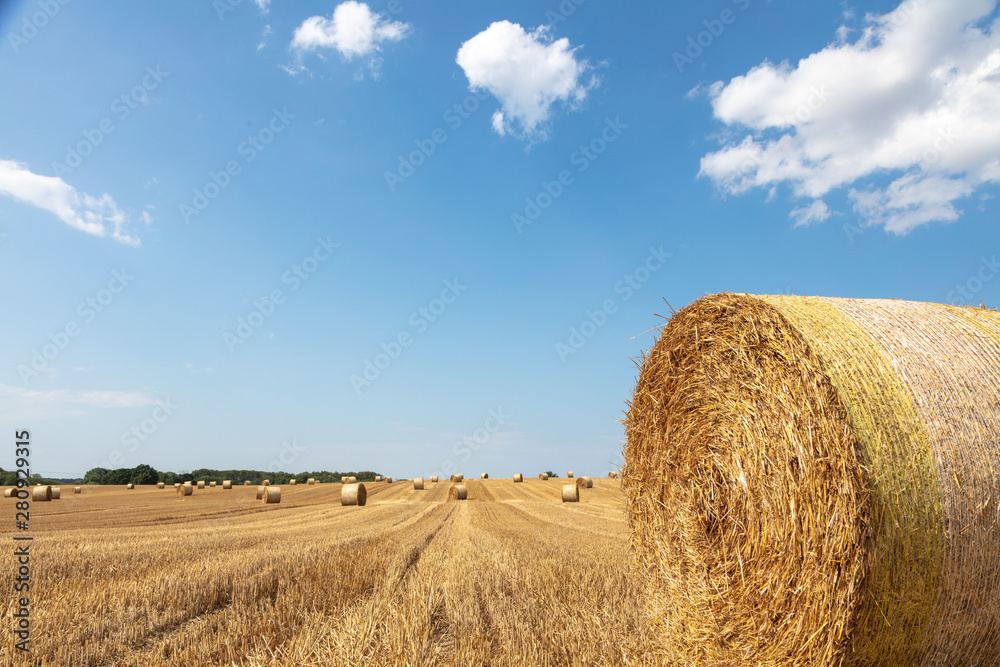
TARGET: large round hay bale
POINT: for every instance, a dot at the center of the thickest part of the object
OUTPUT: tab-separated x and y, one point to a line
378	478
434	478
56	492
41	494
77	489
815	481
185	490
201	484
570	493
353	494
418	483
130	486
160	485
458	492
518	477
227	484
293	482
543	477
485	475
569	474
272	495
10	493
260	491
585	482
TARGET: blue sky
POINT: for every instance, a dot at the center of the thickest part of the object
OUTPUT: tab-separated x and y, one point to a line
214	217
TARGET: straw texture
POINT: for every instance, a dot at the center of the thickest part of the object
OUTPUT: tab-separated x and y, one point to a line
185	490
227	484
260	491
458	492
585	482
571	493
815	481
160	485
41	494
9	493
272	495
518	477
418	483
353	494
543	476
56	492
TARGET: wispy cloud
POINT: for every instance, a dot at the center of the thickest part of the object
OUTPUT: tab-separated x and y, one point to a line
18	403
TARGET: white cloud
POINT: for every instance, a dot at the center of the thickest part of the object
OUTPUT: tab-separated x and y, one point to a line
18	403
94	215
526	72
263	5
915	98
354	31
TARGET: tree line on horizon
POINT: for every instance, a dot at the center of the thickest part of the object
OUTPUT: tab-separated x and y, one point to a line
146	474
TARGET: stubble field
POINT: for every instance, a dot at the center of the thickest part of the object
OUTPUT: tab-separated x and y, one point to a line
511	576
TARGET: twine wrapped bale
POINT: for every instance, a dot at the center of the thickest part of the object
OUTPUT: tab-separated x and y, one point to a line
77	489
10	493
272	495
353	494
434	478
569	474
201	484
260	491
227	484
485	475
570	493
418	483
815	481
585	482
458	492
41	494
160	485
518	477
378	478
185	490
56	492
543	477
130	485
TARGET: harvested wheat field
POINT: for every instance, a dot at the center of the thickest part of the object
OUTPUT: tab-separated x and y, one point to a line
511	576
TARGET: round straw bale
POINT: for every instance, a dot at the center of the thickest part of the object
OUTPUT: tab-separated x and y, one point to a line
176	484
272	495
352	480
201	484
160	485
260	491
77	489
485	475
418	483
212	484
266	482
246	482
585	482
293	482
570	493
56	492
434	478
185	490
518	477
353	494
815	481
613	475
388	480
227	484
543	476
130	485
41	493
10	493
311	480
458	477
378	478
569	474
458	492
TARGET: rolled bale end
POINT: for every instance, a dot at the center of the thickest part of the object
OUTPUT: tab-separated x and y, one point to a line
161	485
10	493
353	494
485	475
77	489
227	484
434	478
570	493
56	492
806	482
585	482
260	491
569	474
185	490
272	495
543	477
418	483
41	494
519	478
378	478
130	486
293	482
201	484
458	492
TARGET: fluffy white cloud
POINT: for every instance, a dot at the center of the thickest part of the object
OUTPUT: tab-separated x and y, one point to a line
354	31
916	98
526	72
18	403
94	215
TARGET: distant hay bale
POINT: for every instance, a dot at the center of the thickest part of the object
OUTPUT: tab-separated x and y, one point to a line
378	478
353	494
41	494
293	482
272	495
266	482
613	475
160	485
260	491
485	475
212	484
176	484
585	482
815	481
570	493
246	482
56	492
352	480
388	480
569	474
543	477
201	484
458	477
434	478
77	489
227	484
185	490
458	492
130	485
518	477
418	483
10	493
311	480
